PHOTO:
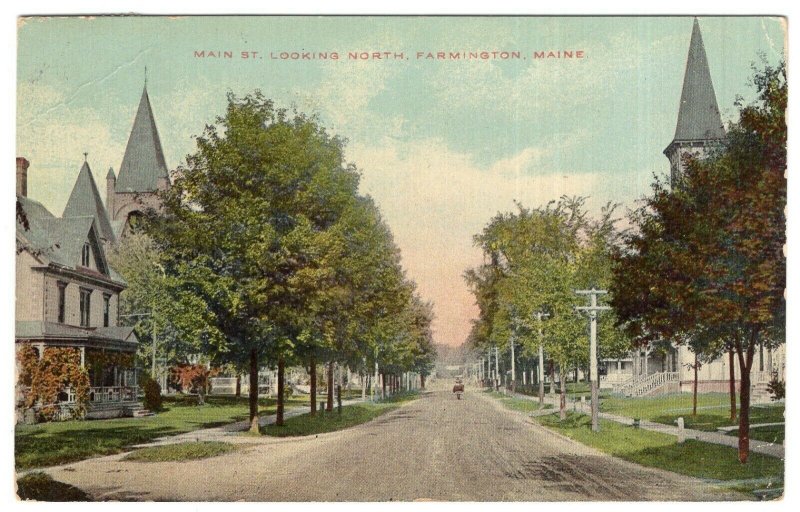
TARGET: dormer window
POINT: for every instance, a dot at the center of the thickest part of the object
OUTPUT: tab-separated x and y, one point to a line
85	254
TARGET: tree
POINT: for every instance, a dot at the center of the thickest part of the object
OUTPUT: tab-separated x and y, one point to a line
706	260
246	227
537	258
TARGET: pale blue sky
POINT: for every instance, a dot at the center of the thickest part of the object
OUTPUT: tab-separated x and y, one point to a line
443	145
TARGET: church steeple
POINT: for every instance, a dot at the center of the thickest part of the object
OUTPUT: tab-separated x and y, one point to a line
698	117
143	167
84	201
699	124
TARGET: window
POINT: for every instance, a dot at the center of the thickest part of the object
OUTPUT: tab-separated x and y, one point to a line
62	301
85	306
106	309
85	254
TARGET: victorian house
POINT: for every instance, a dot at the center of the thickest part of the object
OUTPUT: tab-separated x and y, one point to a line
67	299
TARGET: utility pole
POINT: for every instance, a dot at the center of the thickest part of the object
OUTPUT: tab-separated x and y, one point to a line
489	367
540	316
513	369
375	380
593	309
496	369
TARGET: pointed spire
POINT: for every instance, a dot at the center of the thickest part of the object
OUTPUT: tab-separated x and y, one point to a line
84	201
110	175
143	164
698	117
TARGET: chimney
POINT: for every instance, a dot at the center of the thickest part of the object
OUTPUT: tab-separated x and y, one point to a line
22	176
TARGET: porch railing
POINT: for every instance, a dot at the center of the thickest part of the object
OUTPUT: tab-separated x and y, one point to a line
640	387
113	394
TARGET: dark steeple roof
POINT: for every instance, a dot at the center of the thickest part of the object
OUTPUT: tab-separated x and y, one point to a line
143	164
698	117
84	201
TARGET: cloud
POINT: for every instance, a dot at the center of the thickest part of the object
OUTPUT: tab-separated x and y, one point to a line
435	199
54	144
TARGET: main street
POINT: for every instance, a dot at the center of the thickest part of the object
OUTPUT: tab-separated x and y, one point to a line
435	448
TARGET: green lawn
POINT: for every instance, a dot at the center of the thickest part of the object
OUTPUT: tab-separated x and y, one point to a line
48	444
575	390
771	434
41	487
351	415
713	411
181	451
519	404
654	449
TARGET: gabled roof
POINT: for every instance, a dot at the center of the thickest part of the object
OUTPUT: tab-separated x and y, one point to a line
59	241
698	117
85	202
143	164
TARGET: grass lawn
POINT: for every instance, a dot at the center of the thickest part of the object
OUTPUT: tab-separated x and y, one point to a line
48	444
771	434
575	390
654	449
181	451
713	411
519	404
40	487
322	422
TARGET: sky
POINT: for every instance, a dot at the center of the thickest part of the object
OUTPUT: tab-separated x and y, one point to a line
443	145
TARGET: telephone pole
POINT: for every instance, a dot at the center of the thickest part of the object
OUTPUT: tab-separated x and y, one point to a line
593	309
540	316
513	368
496	369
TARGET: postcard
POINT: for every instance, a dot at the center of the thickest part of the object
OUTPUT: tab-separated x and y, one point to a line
400	258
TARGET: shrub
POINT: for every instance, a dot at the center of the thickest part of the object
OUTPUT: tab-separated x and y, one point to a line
777	388
153	400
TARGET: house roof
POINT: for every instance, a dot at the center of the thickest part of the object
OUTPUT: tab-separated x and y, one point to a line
84	201
698	116
143	164
59	241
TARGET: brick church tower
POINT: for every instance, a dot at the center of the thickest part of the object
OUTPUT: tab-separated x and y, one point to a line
699	127
142	175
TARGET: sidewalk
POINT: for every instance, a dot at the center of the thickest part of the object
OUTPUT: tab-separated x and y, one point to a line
762	447
233	429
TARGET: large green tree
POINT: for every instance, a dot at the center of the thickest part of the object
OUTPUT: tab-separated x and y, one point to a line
706	260
250	216
536	258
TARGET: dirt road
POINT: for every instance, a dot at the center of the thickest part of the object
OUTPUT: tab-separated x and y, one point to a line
435	448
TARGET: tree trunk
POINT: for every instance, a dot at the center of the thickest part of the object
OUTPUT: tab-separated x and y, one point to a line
383	385
732	384
201	391
694	388
745	365
312	372
329	405
552	378
562	411
279	412
238	385
253	392
422	381
363	386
